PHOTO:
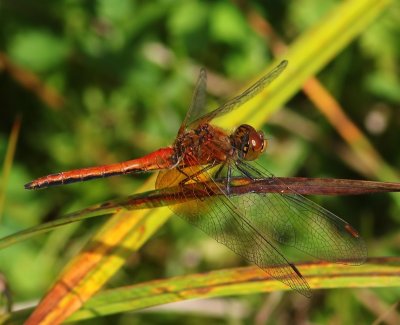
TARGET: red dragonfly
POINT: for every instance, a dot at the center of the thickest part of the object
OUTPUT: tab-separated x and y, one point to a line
252	225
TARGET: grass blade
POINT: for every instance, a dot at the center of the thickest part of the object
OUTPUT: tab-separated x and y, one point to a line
126	232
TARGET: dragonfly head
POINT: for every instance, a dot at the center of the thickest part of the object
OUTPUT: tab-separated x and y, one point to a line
249	142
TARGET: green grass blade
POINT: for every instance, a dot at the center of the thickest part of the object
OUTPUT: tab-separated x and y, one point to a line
380	272
376	273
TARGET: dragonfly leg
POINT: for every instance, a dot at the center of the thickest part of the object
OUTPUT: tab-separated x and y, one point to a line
248	170
204	189
219	171
226	180
179	169
193	176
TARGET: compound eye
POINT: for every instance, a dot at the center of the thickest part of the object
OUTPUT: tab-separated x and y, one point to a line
264	142
249	143
255	145
265	146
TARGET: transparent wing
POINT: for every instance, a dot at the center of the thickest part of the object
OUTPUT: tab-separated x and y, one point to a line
198	100
243	97
220	218
293	220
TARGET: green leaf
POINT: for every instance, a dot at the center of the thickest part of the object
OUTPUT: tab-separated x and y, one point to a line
227	23
39	50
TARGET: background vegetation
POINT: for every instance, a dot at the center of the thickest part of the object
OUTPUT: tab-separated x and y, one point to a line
105	81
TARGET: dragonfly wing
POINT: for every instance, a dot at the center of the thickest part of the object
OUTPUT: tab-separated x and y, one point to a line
216	215
198	100
243	97
296	221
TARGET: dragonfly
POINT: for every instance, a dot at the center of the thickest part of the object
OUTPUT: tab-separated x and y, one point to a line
204	161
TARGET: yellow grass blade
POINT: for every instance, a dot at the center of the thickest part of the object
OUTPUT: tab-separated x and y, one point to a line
375	273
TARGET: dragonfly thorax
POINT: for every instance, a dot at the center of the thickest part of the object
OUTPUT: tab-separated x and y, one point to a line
206	144
248	142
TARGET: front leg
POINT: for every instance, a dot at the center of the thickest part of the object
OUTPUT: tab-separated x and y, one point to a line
201	189
192	177
225	179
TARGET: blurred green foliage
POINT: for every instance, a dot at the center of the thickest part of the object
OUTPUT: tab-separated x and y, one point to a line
125	70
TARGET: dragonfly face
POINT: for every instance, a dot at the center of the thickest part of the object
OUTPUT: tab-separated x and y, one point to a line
249	143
